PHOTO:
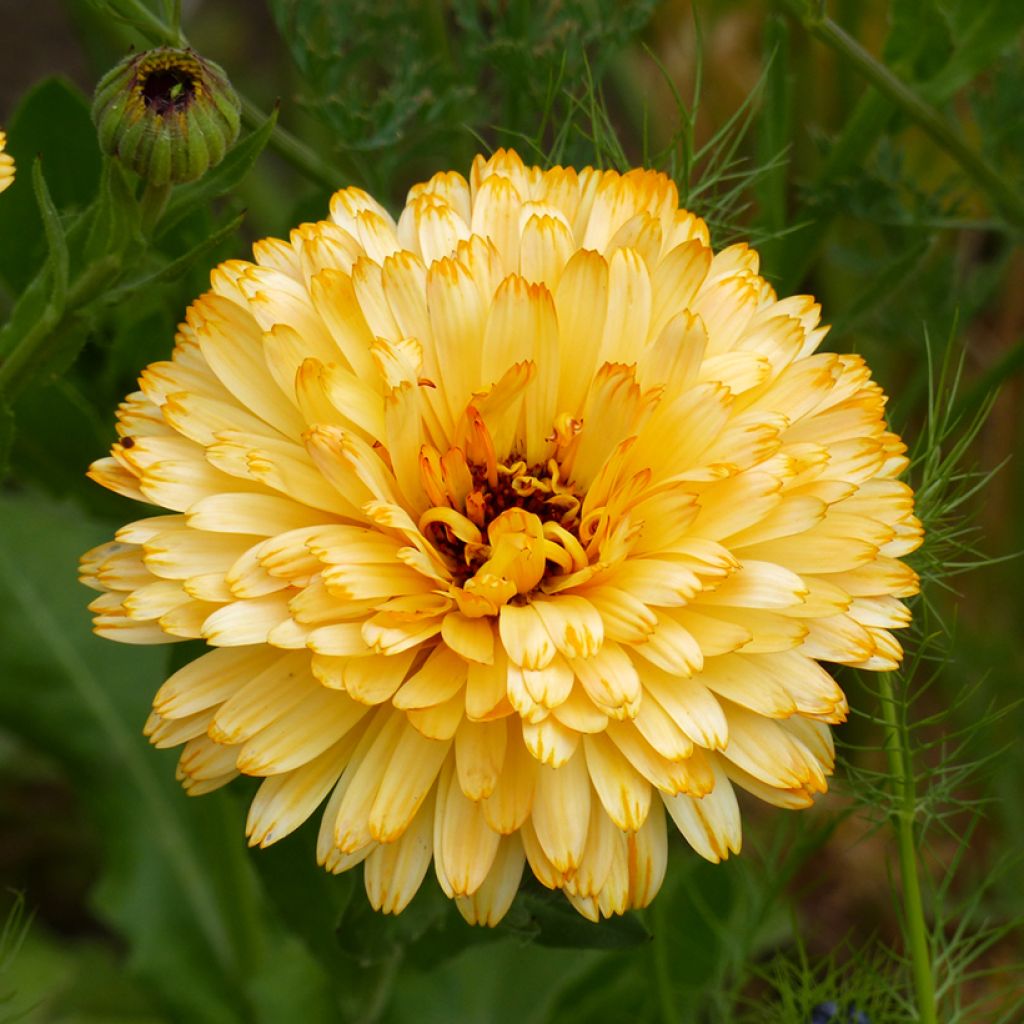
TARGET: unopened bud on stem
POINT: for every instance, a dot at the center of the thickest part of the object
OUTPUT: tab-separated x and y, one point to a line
168	114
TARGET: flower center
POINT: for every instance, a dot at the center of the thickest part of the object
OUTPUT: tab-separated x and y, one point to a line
167	89
502	528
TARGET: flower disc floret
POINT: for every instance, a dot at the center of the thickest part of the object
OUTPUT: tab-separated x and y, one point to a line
517	528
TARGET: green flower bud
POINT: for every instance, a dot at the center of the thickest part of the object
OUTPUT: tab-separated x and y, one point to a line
169	114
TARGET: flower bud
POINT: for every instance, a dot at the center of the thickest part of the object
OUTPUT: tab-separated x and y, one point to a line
169	114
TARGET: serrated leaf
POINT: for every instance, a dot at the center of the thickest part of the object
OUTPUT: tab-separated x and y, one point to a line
186	199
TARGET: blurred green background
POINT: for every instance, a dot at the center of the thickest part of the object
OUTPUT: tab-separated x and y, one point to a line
874	152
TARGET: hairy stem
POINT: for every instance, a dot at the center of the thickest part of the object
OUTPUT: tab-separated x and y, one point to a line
1007	199
913	906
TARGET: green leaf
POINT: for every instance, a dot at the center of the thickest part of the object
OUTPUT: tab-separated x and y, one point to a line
53	123
610	991
6	438
187	199
981	30
176	268
115	216
56	244
170	867
550	920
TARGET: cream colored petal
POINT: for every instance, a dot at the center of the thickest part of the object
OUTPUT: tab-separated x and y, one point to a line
561	812
547	687
628	318
573	623
623	792
440	721
368	680
598	855
610	679
468	844
744	682
491	901
692	775
673	358
509	805
395	871
525	637
661	731
309	728
671	648
473	639
710	824
546	246
409	776
232	343
203	760
172	732
440	677
757	584
581	302
480	756
486	688
549	741
284	802
496	206
368	734
579	713
647	858
334	297
762	748
349	821
209	680
457	310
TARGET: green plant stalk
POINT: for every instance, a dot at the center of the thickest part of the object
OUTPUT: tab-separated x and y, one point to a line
913	905
151	206
1007	199
662	967
19	365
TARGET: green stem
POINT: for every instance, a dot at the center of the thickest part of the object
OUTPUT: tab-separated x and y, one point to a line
294	150
17	368
1006	198
154	199
662	967
913	905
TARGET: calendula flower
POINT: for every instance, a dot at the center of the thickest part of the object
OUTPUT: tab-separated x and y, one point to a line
514	525
6	164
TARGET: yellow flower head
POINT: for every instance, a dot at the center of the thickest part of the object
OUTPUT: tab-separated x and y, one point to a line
6	164
512	526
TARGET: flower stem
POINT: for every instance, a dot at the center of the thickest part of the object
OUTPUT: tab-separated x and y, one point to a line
913	906
154	199
1006	198
662	967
